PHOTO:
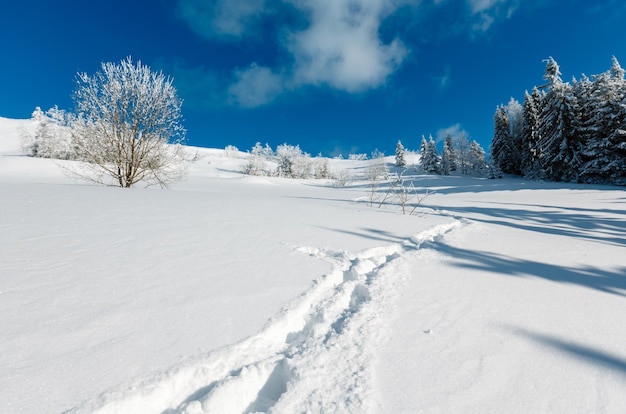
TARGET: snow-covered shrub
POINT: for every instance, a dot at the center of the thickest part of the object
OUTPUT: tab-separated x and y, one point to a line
263	151
256	161
321	168
292	162
231	151
343	178
357	157
254	166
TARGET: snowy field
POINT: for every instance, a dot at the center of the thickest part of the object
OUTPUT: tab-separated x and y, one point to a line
236	294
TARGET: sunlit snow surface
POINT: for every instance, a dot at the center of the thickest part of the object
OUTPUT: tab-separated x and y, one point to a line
234	294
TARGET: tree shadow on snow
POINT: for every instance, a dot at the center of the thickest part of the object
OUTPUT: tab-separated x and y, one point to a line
603	280
587	224
579	351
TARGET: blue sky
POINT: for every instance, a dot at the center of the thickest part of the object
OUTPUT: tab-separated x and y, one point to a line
333	76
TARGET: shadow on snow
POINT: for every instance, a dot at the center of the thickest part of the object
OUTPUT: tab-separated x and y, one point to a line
608	281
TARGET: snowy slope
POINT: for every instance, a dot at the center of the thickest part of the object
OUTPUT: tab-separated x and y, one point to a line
244	294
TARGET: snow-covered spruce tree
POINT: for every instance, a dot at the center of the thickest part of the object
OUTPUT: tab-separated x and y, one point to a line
444	164
529	155
448	156
583	90
128	128
430	158
604	115
400	155
423	147
502	145
558	125
515	111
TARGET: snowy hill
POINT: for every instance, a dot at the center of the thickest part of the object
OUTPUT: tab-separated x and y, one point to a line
236	294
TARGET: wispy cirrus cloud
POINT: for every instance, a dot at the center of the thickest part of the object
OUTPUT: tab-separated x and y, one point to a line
485	13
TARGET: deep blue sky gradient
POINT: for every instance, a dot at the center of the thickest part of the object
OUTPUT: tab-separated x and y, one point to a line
453	75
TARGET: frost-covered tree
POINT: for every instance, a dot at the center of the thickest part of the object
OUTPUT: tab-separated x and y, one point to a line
462	150
476	159
128	128
400	155
51	137
515	111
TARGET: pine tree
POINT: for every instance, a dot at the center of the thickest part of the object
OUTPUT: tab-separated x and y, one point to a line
558	123
400	155
515	111
449	153
529	157
501	144
605	149
423	147
430	160
568	131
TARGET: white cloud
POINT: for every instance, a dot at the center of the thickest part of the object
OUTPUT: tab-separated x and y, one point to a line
453	130
341	47
219	18
255	86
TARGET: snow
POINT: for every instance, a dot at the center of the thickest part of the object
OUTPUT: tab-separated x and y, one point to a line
233	294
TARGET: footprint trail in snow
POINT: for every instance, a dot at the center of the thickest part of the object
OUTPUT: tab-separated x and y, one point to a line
316	355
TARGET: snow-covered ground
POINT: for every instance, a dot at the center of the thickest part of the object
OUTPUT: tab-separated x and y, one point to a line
235	294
